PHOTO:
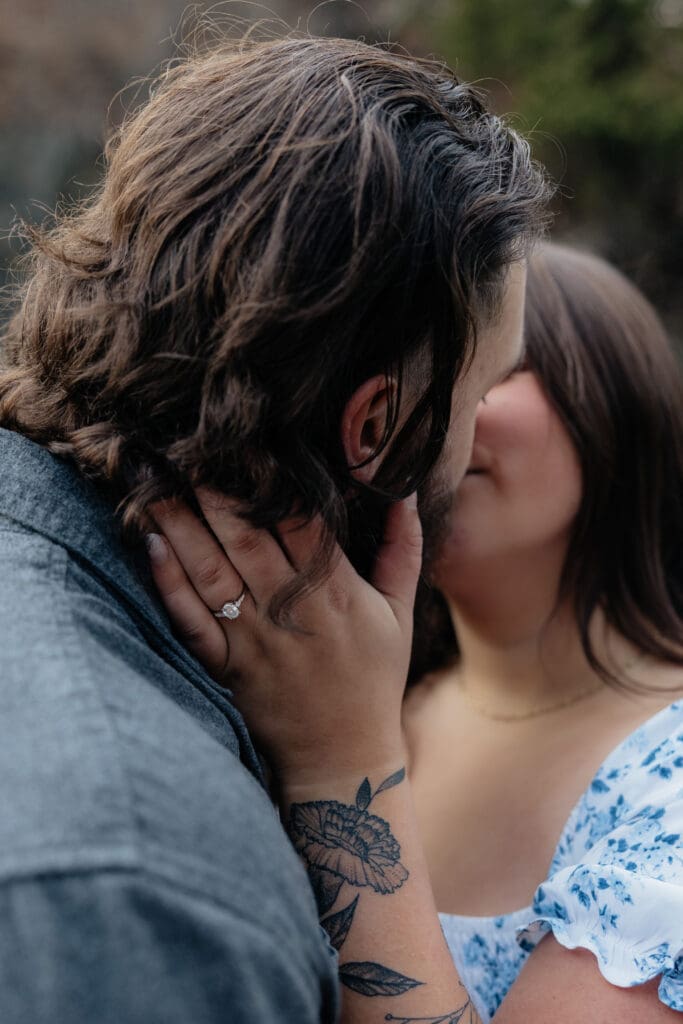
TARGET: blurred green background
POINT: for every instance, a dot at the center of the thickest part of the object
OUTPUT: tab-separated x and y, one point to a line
596	84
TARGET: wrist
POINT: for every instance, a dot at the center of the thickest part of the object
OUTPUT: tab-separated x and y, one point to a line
336	780
340	761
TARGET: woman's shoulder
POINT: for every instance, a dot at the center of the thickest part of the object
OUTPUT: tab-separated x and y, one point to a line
616	883
641	780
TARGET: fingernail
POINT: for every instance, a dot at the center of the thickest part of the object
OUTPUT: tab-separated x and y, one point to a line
411	500
156	547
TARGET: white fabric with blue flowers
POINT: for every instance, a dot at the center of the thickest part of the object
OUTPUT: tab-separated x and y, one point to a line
615	884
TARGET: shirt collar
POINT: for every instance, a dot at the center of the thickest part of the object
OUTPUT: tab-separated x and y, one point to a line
48	495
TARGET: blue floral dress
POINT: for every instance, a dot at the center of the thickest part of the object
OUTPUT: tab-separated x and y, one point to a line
615	884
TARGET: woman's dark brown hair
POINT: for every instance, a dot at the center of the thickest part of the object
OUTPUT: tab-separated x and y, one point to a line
606	364
277	224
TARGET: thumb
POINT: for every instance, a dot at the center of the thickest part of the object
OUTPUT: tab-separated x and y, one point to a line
399	559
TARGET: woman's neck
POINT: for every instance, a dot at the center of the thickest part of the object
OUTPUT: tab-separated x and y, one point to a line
519	649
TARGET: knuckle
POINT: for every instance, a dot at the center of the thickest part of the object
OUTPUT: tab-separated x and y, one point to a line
245	542
174	585
190	633
414	543
209	571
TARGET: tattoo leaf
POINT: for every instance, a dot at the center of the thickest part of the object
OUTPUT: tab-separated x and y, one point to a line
370	979
364	795
337	925
326	887
452	1017
393	780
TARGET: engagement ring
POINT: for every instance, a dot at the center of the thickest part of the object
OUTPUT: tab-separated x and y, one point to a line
231	609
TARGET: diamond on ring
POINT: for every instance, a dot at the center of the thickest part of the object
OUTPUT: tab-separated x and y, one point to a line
231	609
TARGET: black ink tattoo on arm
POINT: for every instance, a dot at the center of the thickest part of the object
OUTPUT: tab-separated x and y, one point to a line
343	843
465	1014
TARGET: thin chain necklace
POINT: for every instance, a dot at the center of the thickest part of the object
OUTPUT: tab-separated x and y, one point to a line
545	709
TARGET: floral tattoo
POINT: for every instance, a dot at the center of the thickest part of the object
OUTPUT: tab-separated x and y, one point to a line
343	843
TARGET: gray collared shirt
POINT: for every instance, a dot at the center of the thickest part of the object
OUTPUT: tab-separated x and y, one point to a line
144	875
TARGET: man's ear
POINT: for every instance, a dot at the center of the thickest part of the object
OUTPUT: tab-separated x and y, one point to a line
363	424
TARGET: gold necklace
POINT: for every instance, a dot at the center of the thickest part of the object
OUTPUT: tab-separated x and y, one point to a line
545	709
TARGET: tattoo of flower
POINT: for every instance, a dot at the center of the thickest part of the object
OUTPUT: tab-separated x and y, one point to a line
347	841
343	843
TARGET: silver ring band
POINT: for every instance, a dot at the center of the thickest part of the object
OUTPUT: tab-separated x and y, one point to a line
231	609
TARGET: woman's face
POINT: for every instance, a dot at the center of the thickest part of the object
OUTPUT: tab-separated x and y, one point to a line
522	489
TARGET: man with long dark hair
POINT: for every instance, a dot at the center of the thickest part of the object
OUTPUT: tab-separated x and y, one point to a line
295	267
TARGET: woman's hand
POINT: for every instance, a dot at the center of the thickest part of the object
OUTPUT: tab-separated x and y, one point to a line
322	696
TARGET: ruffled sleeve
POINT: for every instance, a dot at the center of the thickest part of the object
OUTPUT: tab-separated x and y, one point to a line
616	884
633	925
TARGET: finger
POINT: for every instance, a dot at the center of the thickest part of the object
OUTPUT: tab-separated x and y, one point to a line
201	556
399	559
257	557
196	627
301	539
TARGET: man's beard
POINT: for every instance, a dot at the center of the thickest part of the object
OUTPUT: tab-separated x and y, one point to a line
435	505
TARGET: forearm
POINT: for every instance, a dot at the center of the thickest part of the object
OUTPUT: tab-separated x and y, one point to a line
358	839
324	731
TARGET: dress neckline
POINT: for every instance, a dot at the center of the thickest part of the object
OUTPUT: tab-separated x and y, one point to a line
602	768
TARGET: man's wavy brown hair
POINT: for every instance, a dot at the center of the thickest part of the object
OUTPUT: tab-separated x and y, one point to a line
277	224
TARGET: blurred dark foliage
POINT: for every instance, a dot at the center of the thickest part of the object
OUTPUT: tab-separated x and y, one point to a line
597	84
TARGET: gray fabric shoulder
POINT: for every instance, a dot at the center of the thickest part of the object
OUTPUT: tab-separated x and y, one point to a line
122	947
131	834
106	763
